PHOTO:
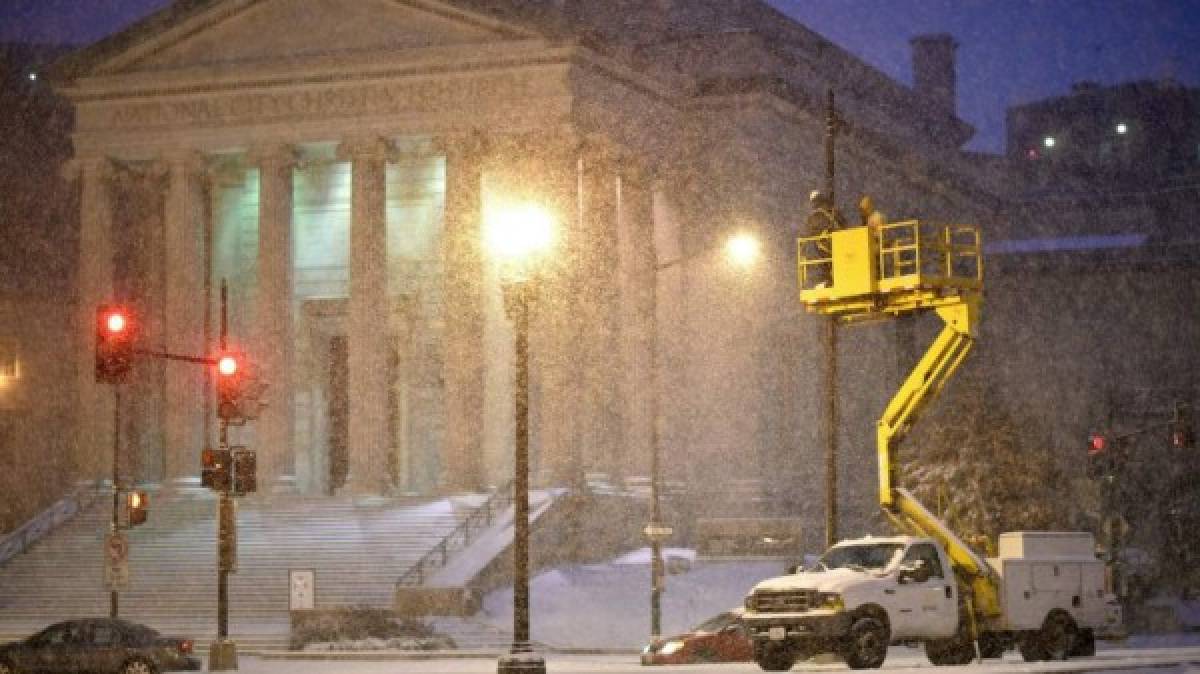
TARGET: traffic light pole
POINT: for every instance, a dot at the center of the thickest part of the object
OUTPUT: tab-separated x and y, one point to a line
223	504
116	504
222	655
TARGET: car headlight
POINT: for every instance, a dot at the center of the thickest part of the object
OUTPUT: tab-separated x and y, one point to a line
671	647
830	600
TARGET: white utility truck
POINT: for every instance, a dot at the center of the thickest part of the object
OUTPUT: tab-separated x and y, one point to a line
1043	593
863	594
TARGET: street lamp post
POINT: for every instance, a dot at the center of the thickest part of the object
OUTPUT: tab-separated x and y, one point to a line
656	531
518	236
518	296
743	250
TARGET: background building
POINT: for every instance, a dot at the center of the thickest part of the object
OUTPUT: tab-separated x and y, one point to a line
338	187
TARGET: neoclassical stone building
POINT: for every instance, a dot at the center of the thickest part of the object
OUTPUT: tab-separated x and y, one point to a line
332	162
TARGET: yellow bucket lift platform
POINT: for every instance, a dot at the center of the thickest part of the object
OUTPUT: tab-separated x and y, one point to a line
875	271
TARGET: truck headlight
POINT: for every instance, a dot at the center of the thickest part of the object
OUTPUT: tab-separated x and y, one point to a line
830	600
671	647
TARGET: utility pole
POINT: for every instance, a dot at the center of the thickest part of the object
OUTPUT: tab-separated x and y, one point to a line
830	344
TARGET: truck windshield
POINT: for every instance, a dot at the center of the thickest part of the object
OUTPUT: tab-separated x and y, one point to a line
861	557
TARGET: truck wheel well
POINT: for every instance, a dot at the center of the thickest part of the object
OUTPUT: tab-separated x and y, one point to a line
874	611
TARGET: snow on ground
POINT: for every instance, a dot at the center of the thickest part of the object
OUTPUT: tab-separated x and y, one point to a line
608	605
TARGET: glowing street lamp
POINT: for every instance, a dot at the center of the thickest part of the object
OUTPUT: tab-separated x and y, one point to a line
520	237
743	249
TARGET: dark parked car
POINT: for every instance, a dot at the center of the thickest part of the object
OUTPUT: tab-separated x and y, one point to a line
721	638
100	645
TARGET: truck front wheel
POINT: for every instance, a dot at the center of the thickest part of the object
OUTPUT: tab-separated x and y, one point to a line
773	657
866	645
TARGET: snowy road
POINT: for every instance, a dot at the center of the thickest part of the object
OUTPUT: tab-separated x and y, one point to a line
1168	660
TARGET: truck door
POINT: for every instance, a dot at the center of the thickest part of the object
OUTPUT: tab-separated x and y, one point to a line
931	604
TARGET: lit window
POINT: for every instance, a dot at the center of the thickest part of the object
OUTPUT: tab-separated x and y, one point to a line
1122	128
1049	141
33	77
8	358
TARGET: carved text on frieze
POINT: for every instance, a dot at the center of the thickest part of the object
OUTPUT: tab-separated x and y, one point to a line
427	95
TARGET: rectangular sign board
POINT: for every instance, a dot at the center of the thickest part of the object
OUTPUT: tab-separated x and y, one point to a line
302	589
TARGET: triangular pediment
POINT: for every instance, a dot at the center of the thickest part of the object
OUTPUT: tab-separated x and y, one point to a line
263	31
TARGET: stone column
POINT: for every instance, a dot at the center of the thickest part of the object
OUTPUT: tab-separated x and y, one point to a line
601	415
184	313
367	334
462	255
274	346
556	327
94	421
637	280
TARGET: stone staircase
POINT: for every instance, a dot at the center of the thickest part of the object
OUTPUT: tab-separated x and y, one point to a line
357	548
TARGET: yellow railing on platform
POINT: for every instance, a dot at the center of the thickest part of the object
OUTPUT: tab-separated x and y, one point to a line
910	255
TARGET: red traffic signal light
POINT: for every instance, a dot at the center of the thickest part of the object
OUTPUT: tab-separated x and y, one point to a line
115	322
229	386
1100	461
227	365
116	334
137	505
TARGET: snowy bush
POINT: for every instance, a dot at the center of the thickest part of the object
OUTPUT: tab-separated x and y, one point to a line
362	628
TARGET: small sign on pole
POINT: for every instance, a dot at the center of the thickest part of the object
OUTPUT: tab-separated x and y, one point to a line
657	532
302	589
116	561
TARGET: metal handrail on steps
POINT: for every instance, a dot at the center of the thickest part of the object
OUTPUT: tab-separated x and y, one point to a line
48	520
439	555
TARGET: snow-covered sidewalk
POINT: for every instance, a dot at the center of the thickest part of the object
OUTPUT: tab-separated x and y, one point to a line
607	606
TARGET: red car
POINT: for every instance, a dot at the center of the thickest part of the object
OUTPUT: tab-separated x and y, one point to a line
721	638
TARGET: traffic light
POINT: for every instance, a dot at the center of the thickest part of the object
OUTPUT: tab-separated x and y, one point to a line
216	469
1100	463
116	333
245	471
137	505
1182	434
229	386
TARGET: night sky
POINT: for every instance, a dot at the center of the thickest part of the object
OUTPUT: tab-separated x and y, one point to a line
1011	51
